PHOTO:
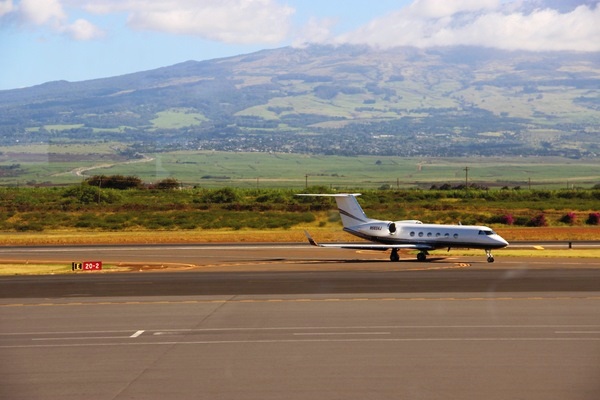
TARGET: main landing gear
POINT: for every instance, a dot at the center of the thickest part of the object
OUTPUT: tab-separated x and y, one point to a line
421	257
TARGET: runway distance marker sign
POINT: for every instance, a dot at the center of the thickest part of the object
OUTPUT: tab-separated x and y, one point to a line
86	266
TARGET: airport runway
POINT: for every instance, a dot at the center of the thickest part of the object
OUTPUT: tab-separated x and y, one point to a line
293	322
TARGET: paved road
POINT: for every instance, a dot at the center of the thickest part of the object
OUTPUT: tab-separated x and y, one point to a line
243	322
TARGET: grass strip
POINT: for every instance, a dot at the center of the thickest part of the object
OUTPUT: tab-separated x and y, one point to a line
292	235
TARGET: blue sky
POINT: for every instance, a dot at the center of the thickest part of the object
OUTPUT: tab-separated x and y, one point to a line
48	40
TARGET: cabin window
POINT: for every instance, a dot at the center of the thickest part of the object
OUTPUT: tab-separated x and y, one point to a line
412	234
438	234
456	236
420	234
446	235
429	234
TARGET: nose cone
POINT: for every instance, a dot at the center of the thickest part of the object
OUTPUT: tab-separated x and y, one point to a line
500	241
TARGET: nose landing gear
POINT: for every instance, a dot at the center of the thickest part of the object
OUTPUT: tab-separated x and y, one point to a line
490	257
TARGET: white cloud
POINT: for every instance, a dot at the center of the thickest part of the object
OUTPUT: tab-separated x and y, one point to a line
447	8
82	29
41	12
230	21
490	23
315	31
50	14
6	6
506	24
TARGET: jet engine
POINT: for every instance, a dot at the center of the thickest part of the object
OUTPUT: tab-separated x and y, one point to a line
378	228
392	227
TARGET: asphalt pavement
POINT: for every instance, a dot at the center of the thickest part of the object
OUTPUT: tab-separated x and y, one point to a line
259	322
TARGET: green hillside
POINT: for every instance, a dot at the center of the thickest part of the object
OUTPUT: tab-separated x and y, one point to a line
345	101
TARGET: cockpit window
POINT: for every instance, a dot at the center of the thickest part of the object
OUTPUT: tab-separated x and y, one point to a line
487	232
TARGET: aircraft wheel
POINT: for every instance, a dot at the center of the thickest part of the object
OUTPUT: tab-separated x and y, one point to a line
394	256
421	257
490	259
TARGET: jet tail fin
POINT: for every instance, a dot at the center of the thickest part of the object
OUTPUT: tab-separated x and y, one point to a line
351	212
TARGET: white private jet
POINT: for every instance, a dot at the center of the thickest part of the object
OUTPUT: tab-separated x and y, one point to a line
408	234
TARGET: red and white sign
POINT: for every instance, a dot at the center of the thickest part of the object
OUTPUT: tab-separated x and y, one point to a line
92	265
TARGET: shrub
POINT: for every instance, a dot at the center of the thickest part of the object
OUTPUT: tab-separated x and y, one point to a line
521	221
86	194
538	220
593	219
29	227
569	218
167	184
507	219
221	196
273	197
119	182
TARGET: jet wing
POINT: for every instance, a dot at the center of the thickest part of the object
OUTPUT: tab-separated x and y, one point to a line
369	246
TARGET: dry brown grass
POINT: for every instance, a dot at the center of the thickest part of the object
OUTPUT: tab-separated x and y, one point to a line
566	233
327	234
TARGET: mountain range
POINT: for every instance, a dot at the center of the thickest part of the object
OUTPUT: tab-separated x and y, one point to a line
345	100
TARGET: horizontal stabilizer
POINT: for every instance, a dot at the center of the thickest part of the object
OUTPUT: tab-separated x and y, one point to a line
310	239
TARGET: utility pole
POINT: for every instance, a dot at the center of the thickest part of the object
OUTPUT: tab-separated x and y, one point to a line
99	188
306	181
466	178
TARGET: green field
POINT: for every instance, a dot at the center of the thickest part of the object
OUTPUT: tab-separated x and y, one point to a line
62	165
177	118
